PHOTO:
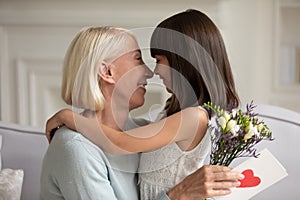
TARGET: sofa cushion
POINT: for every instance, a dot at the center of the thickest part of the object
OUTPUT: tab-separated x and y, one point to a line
11	184
0	152
24	147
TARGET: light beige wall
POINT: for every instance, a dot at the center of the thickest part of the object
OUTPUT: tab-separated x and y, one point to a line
254	33
34	36
247	27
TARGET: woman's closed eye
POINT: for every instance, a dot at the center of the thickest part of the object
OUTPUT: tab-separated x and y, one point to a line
137	56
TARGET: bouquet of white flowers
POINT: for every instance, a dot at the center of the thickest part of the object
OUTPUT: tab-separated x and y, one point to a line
236	134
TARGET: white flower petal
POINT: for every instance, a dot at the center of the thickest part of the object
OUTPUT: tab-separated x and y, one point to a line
230	125
247	136
234	114
226	115
236	128
222	122
249	127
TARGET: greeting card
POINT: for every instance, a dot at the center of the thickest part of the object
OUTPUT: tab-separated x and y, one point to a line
260	173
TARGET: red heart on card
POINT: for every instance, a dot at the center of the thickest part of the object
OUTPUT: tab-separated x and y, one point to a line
250	180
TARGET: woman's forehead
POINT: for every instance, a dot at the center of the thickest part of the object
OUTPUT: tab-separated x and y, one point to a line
131	44
129	54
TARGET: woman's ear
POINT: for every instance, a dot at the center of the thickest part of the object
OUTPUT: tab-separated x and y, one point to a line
105	73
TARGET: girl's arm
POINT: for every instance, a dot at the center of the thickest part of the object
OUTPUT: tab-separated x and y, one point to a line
188	126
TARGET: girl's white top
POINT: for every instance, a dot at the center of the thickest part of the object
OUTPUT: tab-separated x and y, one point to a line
163	168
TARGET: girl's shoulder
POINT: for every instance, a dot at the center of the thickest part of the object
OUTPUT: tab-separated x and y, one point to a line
197	112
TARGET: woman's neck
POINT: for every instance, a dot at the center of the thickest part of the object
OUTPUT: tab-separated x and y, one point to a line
113	118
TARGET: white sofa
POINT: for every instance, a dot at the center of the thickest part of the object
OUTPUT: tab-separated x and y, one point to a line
24	147
285	125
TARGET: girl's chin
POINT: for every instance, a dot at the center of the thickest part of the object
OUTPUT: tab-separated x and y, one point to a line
169	90
136	104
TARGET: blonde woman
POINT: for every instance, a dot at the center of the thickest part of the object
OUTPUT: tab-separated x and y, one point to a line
73	167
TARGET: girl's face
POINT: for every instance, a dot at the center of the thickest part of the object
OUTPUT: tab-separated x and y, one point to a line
163	70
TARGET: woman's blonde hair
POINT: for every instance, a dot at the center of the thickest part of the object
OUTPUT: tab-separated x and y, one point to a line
91	47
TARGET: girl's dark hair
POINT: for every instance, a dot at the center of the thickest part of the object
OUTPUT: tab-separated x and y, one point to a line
197	56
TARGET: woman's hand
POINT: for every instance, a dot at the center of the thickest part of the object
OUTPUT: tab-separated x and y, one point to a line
56	121
208	181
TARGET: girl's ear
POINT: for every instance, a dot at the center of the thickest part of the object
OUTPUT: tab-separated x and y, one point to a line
105	74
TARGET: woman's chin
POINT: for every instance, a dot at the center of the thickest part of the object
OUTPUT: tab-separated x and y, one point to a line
137	99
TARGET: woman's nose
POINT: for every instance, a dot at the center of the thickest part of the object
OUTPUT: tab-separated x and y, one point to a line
148	72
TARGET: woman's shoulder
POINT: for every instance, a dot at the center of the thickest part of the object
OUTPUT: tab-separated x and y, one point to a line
64	136
68	140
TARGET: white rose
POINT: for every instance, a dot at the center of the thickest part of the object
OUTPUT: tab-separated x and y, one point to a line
222	122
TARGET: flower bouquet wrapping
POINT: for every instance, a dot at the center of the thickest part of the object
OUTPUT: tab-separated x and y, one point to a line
235	134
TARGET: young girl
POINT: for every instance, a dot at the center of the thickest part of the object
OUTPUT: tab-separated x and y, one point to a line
193	64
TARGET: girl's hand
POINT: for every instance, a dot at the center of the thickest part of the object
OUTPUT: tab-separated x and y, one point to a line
55	122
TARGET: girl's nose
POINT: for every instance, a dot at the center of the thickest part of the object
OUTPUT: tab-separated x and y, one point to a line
156	70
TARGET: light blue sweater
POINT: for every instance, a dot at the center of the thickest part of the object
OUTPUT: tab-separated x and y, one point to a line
74	168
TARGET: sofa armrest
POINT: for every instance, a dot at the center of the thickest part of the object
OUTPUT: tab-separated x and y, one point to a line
285	125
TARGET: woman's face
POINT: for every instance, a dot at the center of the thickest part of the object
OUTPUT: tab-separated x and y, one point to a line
131	74
163	70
